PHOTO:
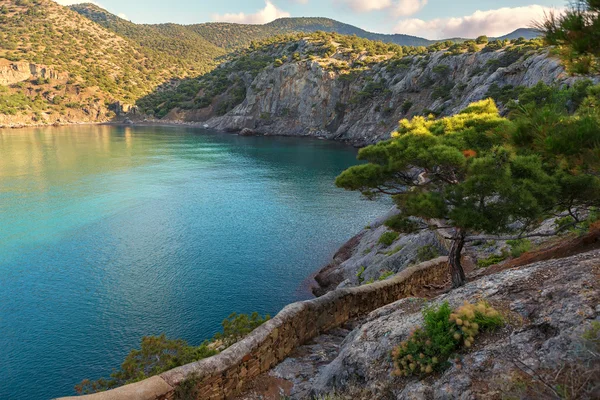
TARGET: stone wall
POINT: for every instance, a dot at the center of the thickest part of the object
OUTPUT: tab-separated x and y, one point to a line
224	375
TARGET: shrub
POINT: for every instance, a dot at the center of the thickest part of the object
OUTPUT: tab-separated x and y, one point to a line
482	39
236	326
393	251
385	275
388	238
359	275
491	260
441	69
426	253
428	348
406	106
158	354
519	246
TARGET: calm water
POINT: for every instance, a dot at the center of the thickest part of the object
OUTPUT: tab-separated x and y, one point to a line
108	234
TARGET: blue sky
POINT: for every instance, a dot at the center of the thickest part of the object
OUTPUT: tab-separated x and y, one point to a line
428	18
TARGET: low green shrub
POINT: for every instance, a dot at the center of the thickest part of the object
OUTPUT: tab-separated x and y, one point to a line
359	275
236	326
388	238
385	275
158	354
428	348
519	246
427	252
393	251
491	260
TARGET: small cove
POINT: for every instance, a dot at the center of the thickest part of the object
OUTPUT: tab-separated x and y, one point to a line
109	233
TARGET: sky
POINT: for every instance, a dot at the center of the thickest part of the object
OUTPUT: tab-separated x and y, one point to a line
432	19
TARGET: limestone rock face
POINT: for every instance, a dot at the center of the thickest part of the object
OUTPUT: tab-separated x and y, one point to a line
306	99
548	305
14	72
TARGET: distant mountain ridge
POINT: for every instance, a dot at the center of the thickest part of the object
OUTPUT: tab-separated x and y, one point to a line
230	36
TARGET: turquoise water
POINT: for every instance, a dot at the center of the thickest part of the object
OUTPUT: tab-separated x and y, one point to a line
109	234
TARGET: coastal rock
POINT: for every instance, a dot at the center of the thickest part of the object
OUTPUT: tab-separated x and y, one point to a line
364	259
548	307
247	132
306	98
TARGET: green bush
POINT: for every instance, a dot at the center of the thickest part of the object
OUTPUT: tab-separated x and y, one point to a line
518	247
388	238
385	275
158	354
428	348
393	251
426	253
491	260
236	326
441	69
406	106
482	39
359	275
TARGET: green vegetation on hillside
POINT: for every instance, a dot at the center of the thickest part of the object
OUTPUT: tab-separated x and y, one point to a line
42	32
232	36
93	67
186	50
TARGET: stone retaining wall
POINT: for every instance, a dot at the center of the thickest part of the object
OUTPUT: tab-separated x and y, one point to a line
224	375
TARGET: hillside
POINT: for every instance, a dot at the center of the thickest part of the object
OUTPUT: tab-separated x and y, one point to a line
58	66
526	33
198	38
347	88
211	38
184	47
189	41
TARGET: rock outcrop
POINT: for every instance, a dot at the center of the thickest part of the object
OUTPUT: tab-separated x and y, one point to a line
364	259
308	98
14	72
548	306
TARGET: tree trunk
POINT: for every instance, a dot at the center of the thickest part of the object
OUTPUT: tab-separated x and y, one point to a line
456	269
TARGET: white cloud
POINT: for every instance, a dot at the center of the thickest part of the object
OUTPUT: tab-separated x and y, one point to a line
123	16
396	7
492	23
267	14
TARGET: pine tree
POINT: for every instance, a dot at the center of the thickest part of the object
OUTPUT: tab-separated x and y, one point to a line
463	170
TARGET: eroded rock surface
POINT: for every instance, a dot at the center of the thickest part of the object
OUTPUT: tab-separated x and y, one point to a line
548	306
364	259
305	98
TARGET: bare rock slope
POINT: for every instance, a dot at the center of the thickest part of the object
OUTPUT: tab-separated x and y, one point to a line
308	98
548	307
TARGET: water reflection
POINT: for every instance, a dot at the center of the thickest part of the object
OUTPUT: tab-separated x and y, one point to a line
108	234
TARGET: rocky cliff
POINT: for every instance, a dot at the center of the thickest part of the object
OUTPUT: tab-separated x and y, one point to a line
14	72
326	97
